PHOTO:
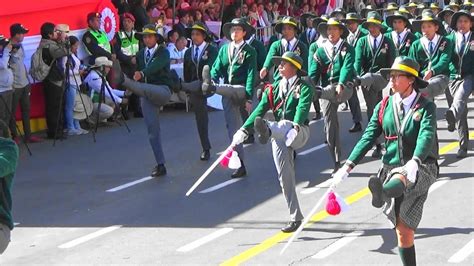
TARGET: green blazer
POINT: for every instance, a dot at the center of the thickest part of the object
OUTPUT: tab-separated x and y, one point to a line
308	41
158	69
277	49
261	52
242	68
462	63
8	161
193	70
404	48
327	70
418	139
359	36
367	61
440	59
295	108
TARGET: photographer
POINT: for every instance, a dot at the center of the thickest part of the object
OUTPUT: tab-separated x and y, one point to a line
6	81
72	64
96	81
21	84
53	47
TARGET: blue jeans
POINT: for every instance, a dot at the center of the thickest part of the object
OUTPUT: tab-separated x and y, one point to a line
70	122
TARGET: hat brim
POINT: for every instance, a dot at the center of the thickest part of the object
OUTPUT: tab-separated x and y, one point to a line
108	64
457	15
249	30
391	18
444	13
304	17
366	24
385	72
279	27
317	21
140	35
416	25
358	20
323	30
277	59
189	31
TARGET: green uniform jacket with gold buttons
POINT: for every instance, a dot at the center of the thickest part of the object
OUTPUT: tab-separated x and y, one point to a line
327	71
243	70
295	109
404	49
277	49
261	52
440	59
192	70
367	61
462	65
418	140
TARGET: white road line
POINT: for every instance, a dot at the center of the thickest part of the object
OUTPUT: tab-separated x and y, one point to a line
437	185
124	186
463	253
337	245
204	240
310	190
88	237
221	185
308	151
245	146
15	224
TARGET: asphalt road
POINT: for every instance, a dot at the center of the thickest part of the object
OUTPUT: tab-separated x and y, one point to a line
82	202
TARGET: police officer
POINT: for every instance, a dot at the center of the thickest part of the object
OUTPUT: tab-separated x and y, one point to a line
126	46
290	101
201	53
373	52
462	75
333	68
95	40
236	64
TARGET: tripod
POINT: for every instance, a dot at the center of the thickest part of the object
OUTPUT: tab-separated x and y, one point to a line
103	87
10	114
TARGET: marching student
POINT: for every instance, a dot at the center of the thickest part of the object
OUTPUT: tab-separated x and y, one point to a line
290	101
373	52
236	63
200	54
289	28
409	167
333	68
445	16
462	75
309	34
401	35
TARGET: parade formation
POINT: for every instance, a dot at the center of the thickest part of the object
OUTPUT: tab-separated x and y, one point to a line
399	59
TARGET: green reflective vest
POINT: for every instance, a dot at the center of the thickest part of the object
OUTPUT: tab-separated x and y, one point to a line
102	40
129	44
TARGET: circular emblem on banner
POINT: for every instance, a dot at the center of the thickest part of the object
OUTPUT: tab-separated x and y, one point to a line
109	21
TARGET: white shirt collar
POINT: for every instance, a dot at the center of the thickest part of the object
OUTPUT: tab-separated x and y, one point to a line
292	42
329	46
238	45
371	40
459	39
354	33
407	102
426	42
402	35
152	50
289	81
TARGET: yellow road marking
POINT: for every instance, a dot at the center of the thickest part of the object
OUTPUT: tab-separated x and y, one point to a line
279	237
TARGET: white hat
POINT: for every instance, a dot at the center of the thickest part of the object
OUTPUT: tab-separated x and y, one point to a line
102	61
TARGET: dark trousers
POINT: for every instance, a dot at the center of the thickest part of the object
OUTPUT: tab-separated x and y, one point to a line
199	103
21	96
354	105
5	114
54	106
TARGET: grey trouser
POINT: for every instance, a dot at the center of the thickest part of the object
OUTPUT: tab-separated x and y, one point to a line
458	105
21	96
158	95
105	112
372	86
329	104
199	104
233	97
5	110
285	163
437	85
4	237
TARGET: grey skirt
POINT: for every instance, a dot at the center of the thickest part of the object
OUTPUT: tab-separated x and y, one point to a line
409	207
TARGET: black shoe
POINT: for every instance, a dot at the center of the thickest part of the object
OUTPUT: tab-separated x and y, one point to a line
250	139
291	227
208	88
337	165
137	114
357	127
294	155
159	170
451	120
241	172
377	154
376	188
262	130
462	153
205	155
316	116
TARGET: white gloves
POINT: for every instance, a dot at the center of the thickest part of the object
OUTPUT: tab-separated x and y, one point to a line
341	175
412	169
239	136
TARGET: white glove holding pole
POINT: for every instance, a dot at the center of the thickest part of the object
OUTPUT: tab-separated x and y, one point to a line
239	137
412	170
341	175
